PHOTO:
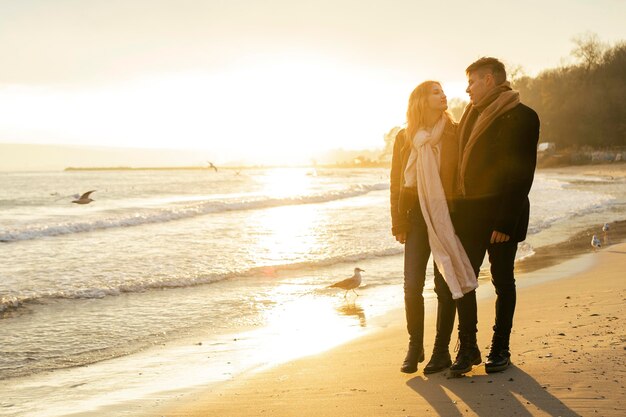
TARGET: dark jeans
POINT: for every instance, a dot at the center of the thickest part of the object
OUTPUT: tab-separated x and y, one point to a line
502	259
474	229
416	254
474	237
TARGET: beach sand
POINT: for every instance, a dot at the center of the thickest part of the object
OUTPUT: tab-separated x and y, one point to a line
568	351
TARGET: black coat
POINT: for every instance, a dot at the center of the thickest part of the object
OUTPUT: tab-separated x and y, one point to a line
500	172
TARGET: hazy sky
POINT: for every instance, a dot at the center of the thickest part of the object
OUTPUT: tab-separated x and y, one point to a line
275	80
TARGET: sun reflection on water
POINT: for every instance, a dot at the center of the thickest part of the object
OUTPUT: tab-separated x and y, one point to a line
287	182
289	233
308	324
301	321
349	309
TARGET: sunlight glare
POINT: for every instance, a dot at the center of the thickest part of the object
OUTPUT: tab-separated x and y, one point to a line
270	111
290	235
307	326
287	182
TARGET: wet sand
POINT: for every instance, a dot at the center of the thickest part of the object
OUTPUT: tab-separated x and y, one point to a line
579	244
568	353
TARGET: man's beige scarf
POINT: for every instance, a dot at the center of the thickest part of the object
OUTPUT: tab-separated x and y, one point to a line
423	170
497	102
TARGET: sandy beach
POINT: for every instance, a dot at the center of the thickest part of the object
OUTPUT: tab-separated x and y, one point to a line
568	354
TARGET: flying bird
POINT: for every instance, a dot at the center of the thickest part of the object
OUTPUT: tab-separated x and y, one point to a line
211	165
595	242
350	283
84	199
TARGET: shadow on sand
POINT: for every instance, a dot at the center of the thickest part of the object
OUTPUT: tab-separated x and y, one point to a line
510	393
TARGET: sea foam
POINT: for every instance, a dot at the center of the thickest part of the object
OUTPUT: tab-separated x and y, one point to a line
141	216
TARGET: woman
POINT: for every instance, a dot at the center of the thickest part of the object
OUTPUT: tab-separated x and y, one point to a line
423	172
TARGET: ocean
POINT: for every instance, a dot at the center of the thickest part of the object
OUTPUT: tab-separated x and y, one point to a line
177	278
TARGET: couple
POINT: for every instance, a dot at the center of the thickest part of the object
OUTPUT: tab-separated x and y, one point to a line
460	192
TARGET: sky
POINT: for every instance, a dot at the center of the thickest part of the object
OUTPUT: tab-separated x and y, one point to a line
268	81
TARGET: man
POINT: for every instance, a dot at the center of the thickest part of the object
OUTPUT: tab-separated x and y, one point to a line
498	153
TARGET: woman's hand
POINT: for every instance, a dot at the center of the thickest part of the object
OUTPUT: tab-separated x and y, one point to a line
401	237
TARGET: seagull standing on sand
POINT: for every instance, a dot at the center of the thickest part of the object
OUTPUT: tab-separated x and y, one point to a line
351	283
595	242
84	199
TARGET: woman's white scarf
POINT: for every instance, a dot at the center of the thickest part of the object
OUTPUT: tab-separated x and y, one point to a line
422	170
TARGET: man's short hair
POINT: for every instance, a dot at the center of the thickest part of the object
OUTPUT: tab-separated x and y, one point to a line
488	64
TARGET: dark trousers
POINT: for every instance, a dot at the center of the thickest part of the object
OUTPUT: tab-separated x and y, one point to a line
474	236
416	254
474	229
502	260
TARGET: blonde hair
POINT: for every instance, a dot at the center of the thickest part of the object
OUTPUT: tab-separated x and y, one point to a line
415	113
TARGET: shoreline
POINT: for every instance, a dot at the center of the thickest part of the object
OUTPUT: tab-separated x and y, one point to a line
608	169
543	257
163	372
592	168
563	381
565	321
574	246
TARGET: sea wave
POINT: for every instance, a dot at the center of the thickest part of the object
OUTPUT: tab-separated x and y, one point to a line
141	216
553	200
9	302
524	251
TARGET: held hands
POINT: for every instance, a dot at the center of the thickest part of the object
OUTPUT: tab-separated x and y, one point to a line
401	237
498	237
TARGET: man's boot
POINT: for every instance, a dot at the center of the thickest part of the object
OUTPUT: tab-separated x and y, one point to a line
440	358
499	355
414	307
467	356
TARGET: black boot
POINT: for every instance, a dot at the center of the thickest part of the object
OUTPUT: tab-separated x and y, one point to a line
440	359
467	356
499	355
414	355
414	306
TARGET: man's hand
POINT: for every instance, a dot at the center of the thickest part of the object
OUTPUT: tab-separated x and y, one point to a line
401	237
498	237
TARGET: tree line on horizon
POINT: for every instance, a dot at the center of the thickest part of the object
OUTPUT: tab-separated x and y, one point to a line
581	105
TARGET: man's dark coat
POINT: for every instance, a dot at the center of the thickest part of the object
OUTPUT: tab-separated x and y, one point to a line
500	172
